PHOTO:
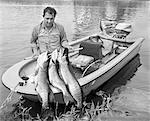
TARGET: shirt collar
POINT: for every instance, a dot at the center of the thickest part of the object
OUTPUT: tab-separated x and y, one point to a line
43	25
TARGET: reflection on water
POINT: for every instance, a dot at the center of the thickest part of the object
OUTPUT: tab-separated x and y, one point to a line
88	14
86	19
35	2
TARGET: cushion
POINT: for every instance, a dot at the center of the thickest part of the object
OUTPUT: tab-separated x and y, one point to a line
91	49
82	61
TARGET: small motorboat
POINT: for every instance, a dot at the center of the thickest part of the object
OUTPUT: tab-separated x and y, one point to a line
98	58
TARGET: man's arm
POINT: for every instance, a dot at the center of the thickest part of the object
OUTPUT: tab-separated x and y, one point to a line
34	37
63	38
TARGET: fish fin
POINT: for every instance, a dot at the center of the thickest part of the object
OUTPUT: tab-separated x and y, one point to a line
39	97
36	70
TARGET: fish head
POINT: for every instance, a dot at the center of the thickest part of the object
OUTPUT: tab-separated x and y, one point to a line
43	59
63	55
54	56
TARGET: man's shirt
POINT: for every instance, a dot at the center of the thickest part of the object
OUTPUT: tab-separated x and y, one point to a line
48	39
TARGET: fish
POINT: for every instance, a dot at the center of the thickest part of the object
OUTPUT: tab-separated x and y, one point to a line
42	87
56	80
69	77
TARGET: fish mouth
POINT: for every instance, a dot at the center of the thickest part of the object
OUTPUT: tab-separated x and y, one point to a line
49	55
58	53
63	51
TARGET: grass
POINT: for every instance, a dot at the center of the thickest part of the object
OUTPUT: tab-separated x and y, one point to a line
89	112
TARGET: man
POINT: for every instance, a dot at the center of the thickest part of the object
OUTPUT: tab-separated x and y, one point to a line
48	35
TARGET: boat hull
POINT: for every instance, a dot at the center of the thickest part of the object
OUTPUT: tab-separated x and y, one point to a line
88	83
95	83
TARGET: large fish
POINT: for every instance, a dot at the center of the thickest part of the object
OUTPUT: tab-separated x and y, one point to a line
69	77
56	80
41	80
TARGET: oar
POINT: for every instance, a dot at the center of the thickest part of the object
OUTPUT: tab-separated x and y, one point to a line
76	49
31	57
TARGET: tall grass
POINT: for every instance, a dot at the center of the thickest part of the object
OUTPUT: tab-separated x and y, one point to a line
89	111
17	112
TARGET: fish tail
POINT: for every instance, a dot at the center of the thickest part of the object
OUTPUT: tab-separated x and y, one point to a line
79	104
78	98
44	98
68	98
78	101
51	97
45	106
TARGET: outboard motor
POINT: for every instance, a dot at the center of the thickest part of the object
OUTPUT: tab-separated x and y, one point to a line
122	30
114	29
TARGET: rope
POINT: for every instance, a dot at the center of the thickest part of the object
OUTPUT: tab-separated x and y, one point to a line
9	97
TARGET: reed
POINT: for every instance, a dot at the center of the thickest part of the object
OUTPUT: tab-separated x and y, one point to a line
89	112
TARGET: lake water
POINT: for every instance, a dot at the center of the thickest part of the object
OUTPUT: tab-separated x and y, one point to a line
79	18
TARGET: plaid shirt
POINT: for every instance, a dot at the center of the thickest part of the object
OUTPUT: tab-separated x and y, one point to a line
48	39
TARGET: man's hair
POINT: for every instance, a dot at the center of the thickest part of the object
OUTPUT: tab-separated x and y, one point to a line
50	10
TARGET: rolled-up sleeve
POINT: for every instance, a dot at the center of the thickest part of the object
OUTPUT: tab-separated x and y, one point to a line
63	37
34	35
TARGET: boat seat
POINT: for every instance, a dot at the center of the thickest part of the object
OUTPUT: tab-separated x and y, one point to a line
82	61
109	47
90	52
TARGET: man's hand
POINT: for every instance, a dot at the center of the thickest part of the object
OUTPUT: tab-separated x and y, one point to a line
70	48
35	50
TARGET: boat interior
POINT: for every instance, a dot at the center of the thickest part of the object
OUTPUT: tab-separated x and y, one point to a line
93	54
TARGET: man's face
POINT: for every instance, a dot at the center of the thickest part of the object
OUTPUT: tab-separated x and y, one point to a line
48	19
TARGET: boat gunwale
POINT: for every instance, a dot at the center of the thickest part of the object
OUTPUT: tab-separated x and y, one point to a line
83	81
102	36
101	71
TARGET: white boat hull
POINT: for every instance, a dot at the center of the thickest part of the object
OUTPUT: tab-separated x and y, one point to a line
88	83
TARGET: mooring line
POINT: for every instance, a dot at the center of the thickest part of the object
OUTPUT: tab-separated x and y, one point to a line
8	99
